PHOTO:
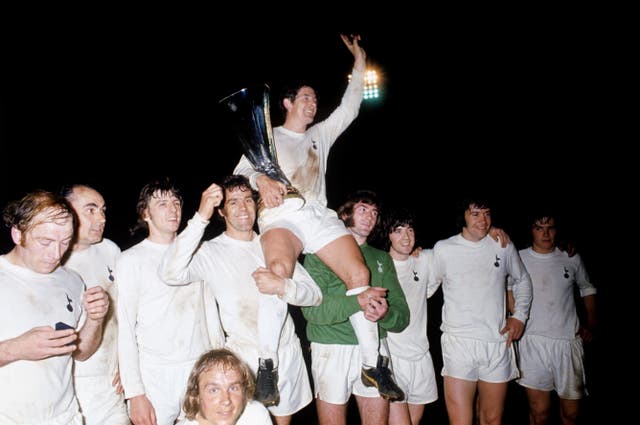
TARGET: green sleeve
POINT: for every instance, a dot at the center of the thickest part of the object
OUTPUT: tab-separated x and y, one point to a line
383	273
336	306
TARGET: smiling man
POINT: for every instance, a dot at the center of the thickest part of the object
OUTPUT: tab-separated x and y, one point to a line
303	151
162	329
476	341
220	392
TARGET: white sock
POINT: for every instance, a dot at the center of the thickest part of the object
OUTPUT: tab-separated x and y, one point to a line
272	312
366	332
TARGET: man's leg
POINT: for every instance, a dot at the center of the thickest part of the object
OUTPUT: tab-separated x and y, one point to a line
458	396
491	396
272	312
569	410
281	249
331	414
399	413
373	410
415	412
344	258
539	406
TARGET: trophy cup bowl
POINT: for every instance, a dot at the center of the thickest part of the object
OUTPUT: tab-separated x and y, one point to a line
248	112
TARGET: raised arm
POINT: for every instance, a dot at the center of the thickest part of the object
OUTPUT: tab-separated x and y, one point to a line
174	267
359	55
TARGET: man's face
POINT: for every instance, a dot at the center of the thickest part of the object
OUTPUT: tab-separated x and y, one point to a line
91	211
305	105
364	219
477	222
544	235
41	247
402	240
163	213
221	395
239	212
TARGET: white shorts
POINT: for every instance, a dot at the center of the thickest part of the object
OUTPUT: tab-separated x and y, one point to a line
336	371
416	378
473	360
165	387
314	224
548	364
293	378
99	403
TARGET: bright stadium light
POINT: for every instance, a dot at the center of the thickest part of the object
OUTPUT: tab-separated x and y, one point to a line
371	84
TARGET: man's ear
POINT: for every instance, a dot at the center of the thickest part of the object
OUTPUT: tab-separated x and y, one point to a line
16	235
287	104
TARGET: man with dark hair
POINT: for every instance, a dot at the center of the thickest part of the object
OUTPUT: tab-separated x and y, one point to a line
287	230
336	357
476	341
252	300
409	349
162	329
551	353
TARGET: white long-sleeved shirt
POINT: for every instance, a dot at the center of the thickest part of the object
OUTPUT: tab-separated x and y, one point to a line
412	343
226	264
474	285
303	156
553	309
39	390
96	266
158	324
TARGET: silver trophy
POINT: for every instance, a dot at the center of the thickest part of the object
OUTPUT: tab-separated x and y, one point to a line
248	112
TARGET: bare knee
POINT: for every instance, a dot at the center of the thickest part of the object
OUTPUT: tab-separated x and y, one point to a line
490	417
281	268
281	250
569	411
569	418
539	416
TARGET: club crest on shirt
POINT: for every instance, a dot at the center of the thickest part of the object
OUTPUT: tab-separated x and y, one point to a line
69	301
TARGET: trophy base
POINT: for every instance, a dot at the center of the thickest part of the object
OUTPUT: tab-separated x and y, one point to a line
293	201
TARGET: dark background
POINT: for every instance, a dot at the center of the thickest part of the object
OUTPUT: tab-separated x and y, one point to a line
519	106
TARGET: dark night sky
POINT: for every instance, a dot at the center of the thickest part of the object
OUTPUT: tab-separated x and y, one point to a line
518	107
